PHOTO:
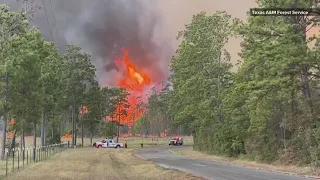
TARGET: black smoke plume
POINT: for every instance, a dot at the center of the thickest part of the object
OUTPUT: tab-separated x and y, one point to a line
103	27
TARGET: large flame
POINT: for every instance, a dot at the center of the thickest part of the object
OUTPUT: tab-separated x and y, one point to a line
134	80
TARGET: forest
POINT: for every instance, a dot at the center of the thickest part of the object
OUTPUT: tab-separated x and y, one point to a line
266	110
47	93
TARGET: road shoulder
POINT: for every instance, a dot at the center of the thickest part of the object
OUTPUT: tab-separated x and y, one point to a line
286	169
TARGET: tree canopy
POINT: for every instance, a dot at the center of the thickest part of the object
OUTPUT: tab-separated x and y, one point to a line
47	88
268	109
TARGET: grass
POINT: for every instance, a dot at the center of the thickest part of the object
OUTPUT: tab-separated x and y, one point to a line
189	152
133	142
17	163
93	163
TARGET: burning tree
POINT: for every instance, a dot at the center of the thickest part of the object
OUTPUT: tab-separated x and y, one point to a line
134	81
120	108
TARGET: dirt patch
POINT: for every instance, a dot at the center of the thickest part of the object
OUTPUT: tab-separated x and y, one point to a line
94	164
306	171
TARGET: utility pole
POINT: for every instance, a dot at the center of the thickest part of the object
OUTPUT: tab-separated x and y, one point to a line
5	117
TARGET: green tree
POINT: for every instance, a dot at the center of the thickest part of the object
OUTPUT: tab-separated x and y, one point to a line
96	101
53	81
277	79
119	106
80	72
11	24
108	129
25	65
200	72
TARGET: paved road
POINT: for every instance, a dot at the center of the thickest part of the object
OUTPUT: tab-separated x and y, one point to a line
208	169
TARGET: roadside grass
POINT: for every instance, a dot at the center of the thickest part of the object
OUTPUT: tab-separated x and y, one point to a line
275	167
18	164
93	163
12	165
134	141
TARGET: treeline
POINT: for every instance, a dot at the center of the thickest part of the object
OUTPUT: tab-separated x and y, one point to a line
47	92
158	121
268	110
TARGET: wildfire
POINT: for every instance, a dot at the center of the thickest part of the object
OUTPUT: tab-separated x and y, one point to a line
84	110
11	124
134	81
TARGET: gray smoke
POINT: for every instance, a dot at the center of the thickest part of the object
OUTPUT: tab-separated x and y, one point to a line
103	27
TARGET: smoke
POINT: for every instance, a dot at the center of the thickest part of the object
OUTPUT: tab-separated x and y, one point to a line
103	27
146	27
107	26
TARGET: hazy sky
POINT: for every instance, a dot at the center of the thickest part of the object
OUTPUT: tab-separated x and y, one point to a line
179	12
147	27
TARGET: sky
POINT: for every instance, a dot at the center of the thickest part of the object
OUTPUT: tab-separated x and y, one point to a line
148	28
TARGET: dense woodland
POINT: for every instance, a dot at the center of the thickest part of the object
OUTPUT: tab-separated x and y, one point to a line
266	110
269	109
47	92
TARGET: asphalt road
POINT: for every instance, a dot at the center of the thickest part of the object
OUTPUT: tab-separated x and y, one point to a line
208	169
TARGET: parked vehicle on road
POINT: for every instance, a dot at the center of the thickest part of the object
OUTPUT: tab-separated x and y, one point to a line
108	143
176	141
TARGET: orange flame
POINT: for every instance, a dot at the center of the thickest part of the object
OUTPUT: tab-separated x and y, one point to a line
11	124
84	110
134	81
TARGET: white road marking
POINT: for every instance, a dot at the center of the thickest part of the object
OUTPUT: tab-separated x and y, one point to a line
200	165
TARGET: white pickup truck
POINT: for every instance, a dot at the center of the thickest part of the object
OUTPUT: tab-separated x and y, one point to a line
108	143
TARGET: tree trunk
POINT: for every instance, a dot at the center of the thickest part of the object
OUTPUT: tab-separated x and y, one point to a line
52	131
72	119
13	142
59	131
194	138
118	130
306	87
82	135
5	118
306	90
22	145
34	141
64	123
4	136
91	136
118	133
75	128
43	125
45	132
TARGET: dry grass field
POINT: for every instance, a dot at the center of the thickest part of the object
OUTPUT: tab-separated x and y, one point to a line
91	155
94	164
135	141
